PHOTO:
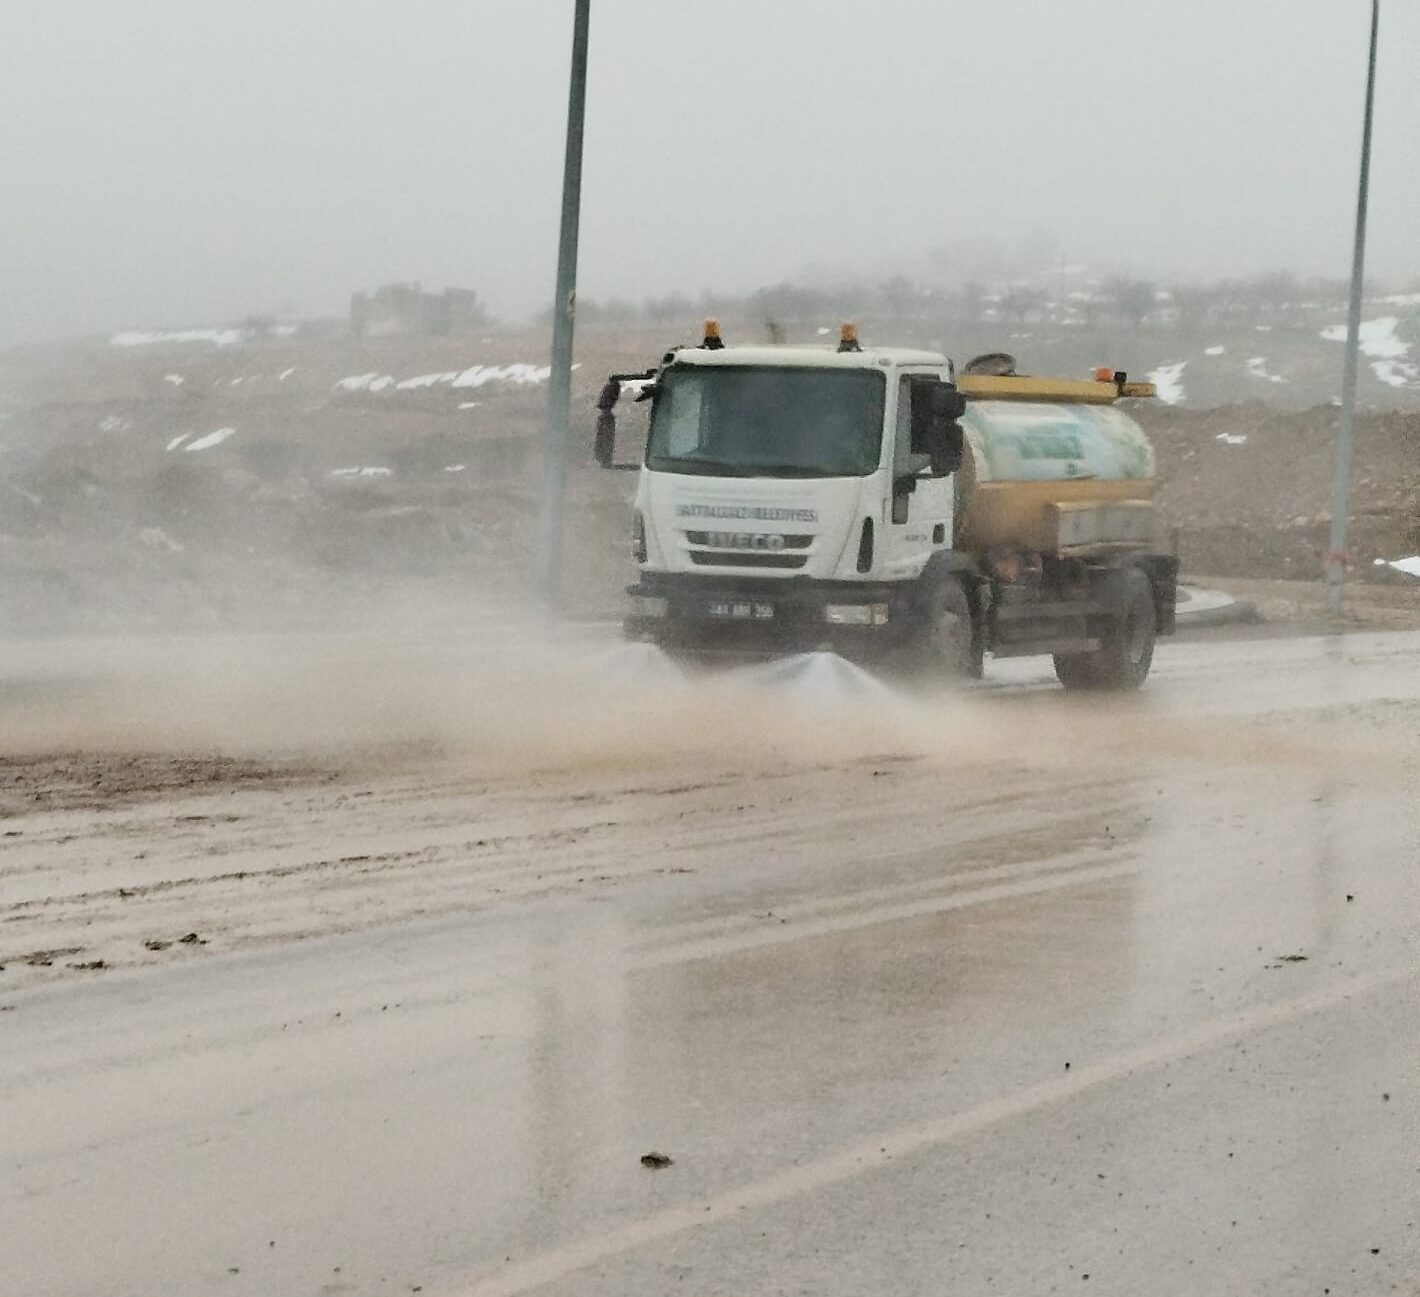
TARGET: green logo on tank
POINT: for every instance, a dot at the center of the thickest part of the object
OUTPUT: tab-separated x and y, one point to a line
1049	445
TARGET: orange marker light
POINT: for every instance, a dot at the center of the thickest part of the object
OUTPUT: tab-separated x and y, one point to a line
1104	374
712	328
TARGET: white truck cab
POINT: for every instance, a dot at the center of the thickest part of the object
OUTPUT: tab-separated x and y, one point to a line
795	497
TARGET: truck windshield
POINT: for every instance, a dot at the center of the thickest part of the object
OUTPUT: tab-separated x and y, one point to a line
730	421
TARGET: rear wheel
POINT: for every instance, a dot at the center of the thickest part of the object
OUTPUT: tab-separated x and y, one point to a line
1075	670
1124	656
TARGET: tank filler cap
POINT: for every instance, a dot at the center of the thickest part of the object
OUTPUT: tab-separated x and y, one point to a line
992	364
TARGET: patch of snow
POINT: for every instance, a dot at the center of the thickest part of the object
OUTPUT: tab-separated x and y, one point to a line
283	330
174	379
114	424
149	337
1402	299
1214	351
285	374
1169	381
1410	566
1378	342
364	382
1394	373
519	375
1377	337
234	382
469	405
823	333
1233	438
178	440
1257	367
425	380
210	440
454	468
1263	328
374	470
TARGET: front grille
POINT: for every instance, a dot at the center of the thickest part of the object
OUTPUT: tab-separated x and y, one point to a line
745	558
717	540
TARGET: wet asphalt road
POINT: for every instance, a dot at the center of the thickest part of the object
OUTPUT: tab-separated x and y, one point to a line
1128	1004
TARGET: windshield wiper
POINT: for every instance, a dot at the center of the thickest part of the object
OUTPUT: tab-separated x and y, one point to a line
757	469
690	464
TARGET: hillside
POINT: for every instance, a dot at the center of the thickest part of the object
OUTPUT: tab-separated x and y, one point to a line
306	479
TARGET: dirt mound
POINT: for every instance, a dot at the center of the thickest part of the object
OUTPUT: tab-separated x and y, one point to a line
1248	487
314	482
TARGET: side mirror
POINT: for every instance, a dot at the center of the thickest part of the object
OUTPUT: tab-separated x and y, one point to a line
604	448
944	447
936	407
947	402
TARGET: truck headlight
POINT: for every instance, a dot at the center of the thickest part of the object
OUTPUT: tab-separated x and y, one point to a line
856	614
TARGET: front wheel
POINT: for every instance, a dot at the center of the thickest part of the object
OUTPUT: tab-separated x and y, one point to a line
946	648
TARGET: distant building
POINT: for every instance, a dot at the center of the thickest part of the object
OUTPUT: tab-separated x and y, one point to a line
406	310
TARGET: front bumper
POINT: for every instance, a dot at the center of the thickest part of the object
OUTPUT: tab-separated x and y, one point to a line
749	617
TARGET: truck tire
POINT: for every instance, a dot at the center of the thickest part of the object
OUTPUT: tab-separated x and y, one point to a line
946	648
1075	670
1123	659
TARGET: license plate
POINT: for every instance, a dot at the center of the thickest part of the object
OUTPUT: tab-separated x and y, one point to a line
741	611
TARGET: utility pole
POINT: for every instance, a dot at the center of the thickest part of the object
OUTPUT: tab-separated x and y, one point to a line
564	308
1345	431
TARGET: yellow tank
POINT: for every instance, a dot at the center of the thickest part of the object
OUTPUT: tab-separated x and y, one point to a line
1052	466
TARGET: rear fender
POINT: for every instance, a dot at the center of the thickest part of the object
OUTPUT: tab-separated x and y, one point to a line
1162	571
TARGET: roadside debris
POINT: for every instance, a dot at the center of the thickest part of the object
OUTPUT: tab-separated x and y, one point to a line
656	1161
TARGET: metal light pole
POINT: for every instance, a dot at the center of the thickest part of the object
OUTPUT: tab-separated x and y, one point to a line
564	306
1341	483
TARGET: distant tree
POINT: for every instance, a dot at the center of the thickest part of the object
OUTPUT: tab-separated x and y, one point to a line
618	311
1132	299
1192	305
1020	301
973	301
897	299
1275	291
1090	306
672	308
788	303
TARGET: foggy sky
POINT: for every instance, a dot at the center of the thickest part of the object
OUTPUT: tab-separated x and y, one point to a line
187	161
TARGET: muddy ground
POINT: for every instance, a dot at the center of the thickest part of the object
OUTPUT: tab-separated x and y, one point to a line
384	968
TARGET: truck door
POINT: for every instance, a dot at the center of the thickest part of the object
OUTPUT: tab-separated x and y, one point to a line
918	511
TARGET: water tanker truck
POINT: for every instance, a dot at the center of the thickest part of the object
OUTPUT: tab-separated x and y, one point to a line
871	501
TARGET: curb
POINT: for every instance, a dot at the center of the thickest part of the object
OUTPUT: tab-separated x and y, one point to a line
1198	607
